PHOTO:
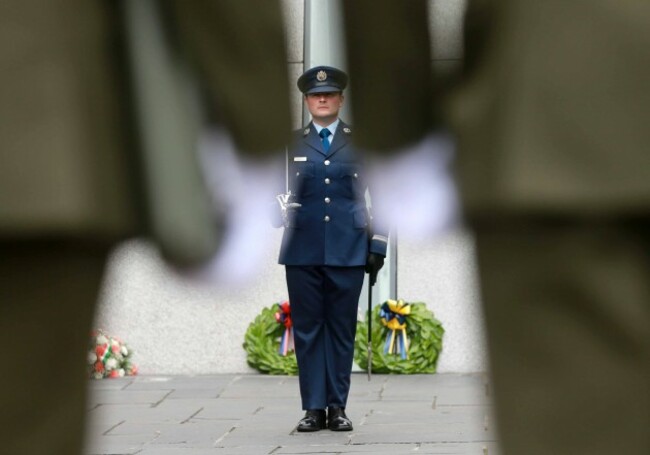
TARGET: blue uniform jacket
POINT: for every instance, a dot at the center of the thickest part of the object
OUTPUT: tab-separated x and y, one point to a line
332	227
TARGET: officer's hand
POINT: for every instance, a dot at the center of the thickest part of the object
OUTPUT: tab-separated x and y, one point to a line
286	208
374	263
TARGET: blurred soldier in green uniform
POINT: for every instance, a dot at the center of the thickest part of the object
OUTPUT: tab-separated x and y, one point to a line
72	170
553	167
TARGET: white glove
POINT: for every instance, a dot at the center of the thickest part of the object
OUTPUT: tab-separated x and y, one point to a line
286	206
243	191
414	191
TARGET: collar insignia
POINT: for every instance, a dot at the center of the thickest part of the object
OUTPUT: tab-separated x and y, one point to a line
305	132
347	130
321	76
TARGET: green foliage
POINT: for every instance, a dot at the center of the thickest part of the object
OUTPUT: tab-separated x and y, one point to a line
262	342
424	332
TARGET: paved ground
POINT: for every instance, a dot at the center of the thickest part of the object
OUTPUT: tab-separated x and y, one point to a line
256	414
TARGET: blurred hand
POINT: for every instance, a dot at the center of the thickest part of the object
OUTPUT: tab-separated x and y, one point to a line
242	192
415	188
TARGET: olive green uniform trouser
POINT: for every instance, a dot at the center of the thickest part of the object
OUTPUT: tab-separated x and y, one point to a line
48	292
567	307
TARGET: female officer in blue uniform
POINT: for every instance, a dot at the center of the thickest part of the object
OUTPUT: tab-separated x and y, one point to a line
325	248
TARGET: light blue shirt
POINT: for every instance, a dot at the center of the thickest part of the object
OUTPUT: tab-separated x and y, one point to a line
332	127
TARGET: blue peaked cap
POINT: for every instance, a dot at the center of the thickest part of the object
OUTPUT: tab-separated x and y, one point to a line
321	79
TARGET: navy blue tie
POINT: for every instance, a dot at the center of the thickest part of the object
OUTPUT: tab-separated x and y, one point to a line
324	134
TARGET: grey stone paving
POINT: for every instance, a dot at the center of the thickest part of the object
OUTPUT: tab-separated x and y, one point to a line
256	415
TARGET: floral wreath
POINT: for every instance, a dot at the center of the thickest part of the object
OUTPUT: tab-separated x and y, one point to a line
109	357
269	341
406	338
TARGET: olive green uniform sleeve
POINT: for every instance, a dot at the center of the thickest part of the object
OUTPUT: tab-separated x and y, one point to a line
239	50
390	72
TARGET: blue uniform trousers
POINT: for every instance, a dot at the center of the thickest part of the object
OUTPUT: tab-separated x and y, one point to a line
324	303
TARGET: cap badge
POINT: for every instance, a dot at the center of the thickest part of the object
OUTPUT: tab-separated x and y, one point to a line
321	76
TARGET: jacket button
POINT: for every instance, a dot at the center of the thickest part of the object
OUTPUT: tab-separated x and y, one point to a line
356	175
327	181
327	218
327	200
297	174
327	162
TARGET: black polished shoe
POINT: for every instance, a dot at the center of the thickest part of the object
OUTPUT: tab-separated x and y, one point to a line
314	420
337	420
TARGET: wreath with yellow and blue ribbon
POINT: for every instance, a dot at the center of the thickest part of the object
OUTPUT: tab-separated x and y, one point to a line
406	339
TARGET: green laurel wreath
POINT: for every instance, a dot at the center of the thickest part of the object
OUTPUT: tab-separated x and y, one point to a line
424	332
262	342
